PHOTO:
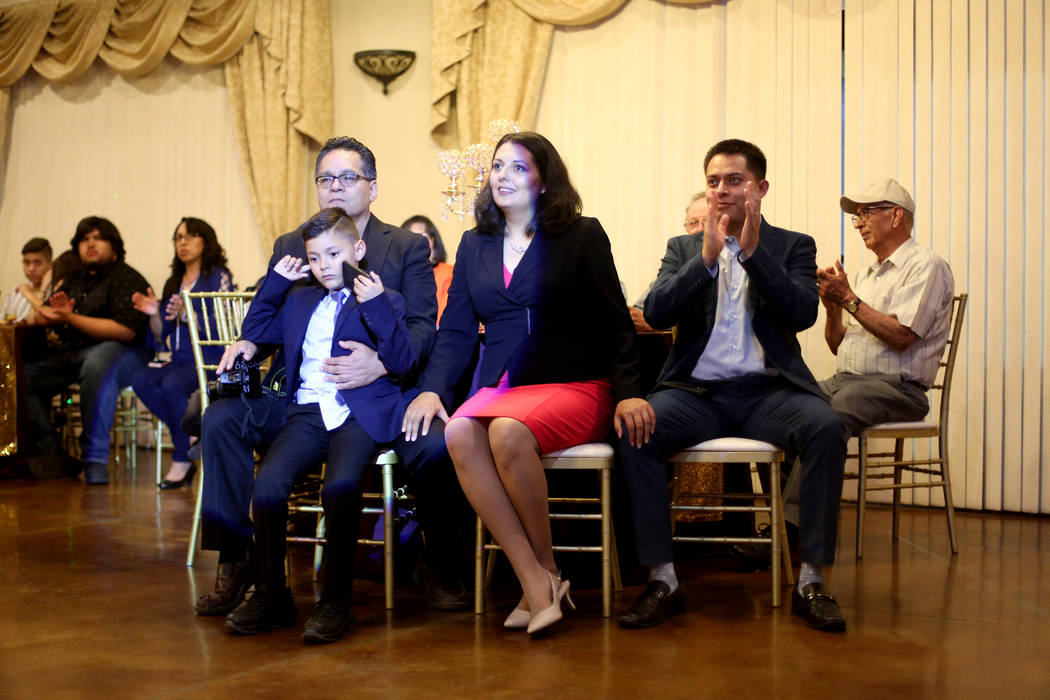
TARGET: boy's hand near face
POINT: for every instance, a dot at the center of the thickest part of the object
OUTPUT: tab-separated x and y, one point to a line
292	268
366	288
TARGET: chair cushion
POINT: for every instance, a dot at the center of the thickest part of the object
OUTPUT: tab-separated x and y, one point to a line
589	449
926	424
731	444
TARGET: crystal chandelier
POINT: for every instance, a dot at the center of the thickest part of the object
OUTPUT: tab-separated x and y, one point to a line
469	165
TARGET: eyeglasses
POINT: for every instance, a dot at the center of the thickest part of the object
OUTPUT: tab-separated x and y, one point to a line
345	179
693	223
865	214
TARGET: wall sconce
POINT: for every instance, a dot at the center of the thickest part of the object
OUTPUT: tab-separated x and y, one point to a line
384	64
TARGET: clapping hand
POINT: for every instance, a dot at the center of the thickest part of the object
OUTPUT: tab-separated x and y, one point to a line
145	303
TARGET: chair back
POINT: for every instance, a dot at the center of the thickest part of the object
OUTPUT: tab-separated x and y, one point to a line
219	327
951	351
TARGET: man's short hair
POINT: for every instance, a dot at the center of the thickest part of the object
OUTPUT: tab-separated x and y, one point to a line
106	231
756	160
37	245
329	220
347	143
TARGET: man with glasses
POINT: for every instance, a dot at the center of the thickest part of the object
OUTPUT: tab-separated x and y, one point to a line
345	177
890	339
695	214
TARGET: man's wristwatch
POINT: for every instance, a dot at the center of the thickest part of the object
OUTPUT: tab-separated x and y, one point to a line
852	305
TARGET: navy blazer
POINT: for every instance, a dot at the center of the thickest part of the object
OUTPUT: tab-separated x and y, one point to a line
562	319
402	260
783	285
378	323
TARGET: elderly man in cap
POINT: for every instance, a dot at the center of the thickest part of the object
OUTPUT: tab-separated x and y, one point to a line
890	339
887	329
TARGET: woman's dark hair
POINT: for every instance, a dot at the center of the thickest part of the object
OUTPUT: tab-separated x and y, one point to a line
557	206
106	231
439	255
212	257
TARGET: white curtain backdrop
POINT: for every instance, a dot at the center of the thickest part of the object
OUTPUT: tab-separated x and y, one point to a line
142	152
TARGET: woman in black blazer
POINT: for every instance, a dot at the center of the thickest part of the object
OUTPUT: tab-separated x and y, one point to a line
559	363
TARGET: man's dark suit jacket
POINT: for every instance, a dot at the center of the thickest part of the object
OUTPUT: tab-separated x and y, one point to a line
378	323
562	319
783	285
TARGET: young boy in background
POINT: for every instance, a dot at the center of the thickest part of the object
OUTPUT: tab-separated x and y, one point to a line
25	298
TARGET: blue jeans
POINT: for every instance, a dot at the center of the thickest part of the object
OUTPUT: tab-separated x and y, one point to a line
166	391
101	370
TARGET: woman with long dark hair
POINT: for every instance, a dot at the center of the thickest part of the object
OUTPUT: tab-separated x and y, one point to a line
199	265
442	270
559	367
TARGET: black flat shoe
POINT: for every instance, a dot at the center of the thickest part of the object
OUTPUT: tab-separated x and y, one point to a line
329	622
167	484
265	610
654	606
818	608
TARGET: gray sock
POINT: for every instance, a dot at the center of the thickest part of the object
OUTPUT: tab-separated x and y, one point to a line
809	574
664	572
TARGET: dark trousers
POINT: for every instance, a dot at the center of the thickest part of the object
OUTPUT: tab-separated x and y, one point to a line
301	444
862	400
233	428
101	370
761	408
231	431
166	391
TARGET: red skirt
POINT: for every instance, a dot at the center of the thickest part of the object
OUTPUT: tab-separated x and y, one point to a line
558	415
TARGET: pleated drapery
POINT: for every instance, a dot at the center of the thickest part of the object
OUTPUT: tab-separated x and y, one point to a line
490	57
274	51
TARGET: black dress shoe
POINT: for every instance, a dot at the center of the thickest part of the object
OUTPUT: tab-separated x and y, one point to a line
96	473
329	622
654	606
817	607
441	596
167	484
231	583
265	610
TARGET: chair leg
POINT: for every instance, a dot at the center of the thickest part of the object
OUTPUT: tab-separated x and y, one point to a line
157	443
606	503
949	509
195	531
388	535
898	455
319	531
862	491
776	522
479	568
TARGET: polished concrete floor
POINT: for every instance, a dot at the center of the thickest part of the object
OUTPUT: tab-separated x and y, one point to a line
95	601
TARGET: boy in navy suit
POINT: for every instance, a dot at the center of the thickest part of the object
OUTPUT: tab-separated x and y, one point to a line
324	423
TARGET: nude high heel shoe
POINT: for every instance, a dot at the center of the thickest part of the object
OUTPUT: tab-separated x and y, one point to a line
518	618
548	616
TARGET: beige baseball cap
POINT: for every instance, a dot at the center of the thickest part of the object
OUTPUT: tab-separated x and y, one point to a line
882	190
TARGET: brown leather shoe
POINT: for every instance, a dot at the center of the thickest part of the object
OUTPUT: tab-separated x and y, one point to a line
231	583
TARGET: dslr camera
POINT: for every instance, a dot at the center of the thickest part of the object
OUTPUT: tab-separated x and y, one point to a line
243	379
